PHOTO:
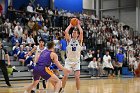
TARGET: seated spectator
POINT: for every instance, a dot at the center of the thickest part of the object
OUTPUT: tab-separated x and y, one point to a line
21	55
18	29
89	55
31	24
98	54
40	18
34	18
106	56
30	40
16	50
39	9
25	35
100	66
131	61
30	8
108	67
93	67
117	68
15	39
137	68
50	12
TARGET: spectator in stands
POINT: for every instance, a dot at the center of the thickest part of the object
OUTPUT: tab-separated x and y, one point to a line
108	67
100	67
30	40
15	39
25	35
50	12
98	54
21	55
3	54
30	8
34	18
39	9
120	59
89	56
93	67
63	46
131	60
117	68
40	18
31	24
106	57
16	50
18	29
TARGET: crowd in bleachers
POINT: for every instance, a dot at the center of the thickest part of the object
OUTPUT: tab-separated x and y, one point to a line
108	44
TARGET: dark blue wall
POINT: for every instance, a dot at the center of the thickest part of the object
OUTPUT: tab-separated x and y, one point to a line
71	5
18	3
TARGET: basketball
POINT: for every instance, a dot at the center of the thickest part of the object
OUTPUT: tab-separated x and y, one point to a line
74	21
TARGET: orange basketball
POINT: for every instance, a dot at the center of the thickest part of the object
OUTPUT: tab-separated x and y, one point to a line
74	21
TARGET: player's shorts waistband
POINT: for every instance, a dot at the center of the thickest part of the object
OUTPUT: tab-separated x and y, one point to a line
42	64
72	60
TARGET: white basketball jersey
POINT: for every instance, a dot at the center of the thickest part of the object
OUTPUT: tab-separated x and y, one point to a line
73	51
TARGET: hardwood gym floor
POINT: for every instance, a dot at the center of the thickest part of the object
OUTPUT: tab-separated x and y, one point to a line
116	85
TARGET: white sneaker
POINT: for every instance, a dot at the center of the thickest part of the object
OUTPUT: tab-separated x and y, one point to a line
60	76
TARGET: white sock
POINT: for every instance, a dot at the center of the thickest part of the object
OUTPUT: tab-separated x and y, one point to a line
78	91
55	92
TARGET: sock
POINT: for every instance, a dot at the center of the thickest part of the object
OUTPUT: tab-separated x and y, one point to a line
78	91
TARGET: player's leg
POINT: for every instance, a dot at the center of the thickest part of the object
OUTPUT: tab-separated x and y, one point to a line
32	86
49	75
77	79
77	76
56	83
65	77
36	76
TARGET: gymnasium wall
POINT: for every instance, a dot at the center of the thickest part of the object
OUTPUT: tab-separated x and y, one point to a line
128	15
124	10
88	4
70	5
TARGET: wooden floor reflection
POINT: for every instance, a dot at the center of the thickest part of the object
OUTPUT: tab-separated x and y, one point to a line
124	85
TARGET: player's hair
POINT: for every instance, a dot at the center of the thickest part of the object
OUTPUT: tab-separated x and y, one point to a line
50	44
76	29
42	40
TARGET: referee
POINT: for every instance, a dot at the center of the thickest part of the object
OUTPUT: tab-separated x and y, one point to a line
3	54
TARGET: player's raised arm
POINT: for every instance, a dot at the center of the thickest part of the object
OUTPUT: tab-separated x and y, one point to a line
81	33
67	36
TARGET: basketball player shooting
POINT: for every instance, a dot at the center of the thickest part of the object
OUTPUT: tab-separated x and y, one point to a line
42	69
73	52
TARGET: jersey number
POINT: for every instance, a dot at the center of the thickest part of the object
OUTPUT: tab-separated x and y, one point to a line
73	48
